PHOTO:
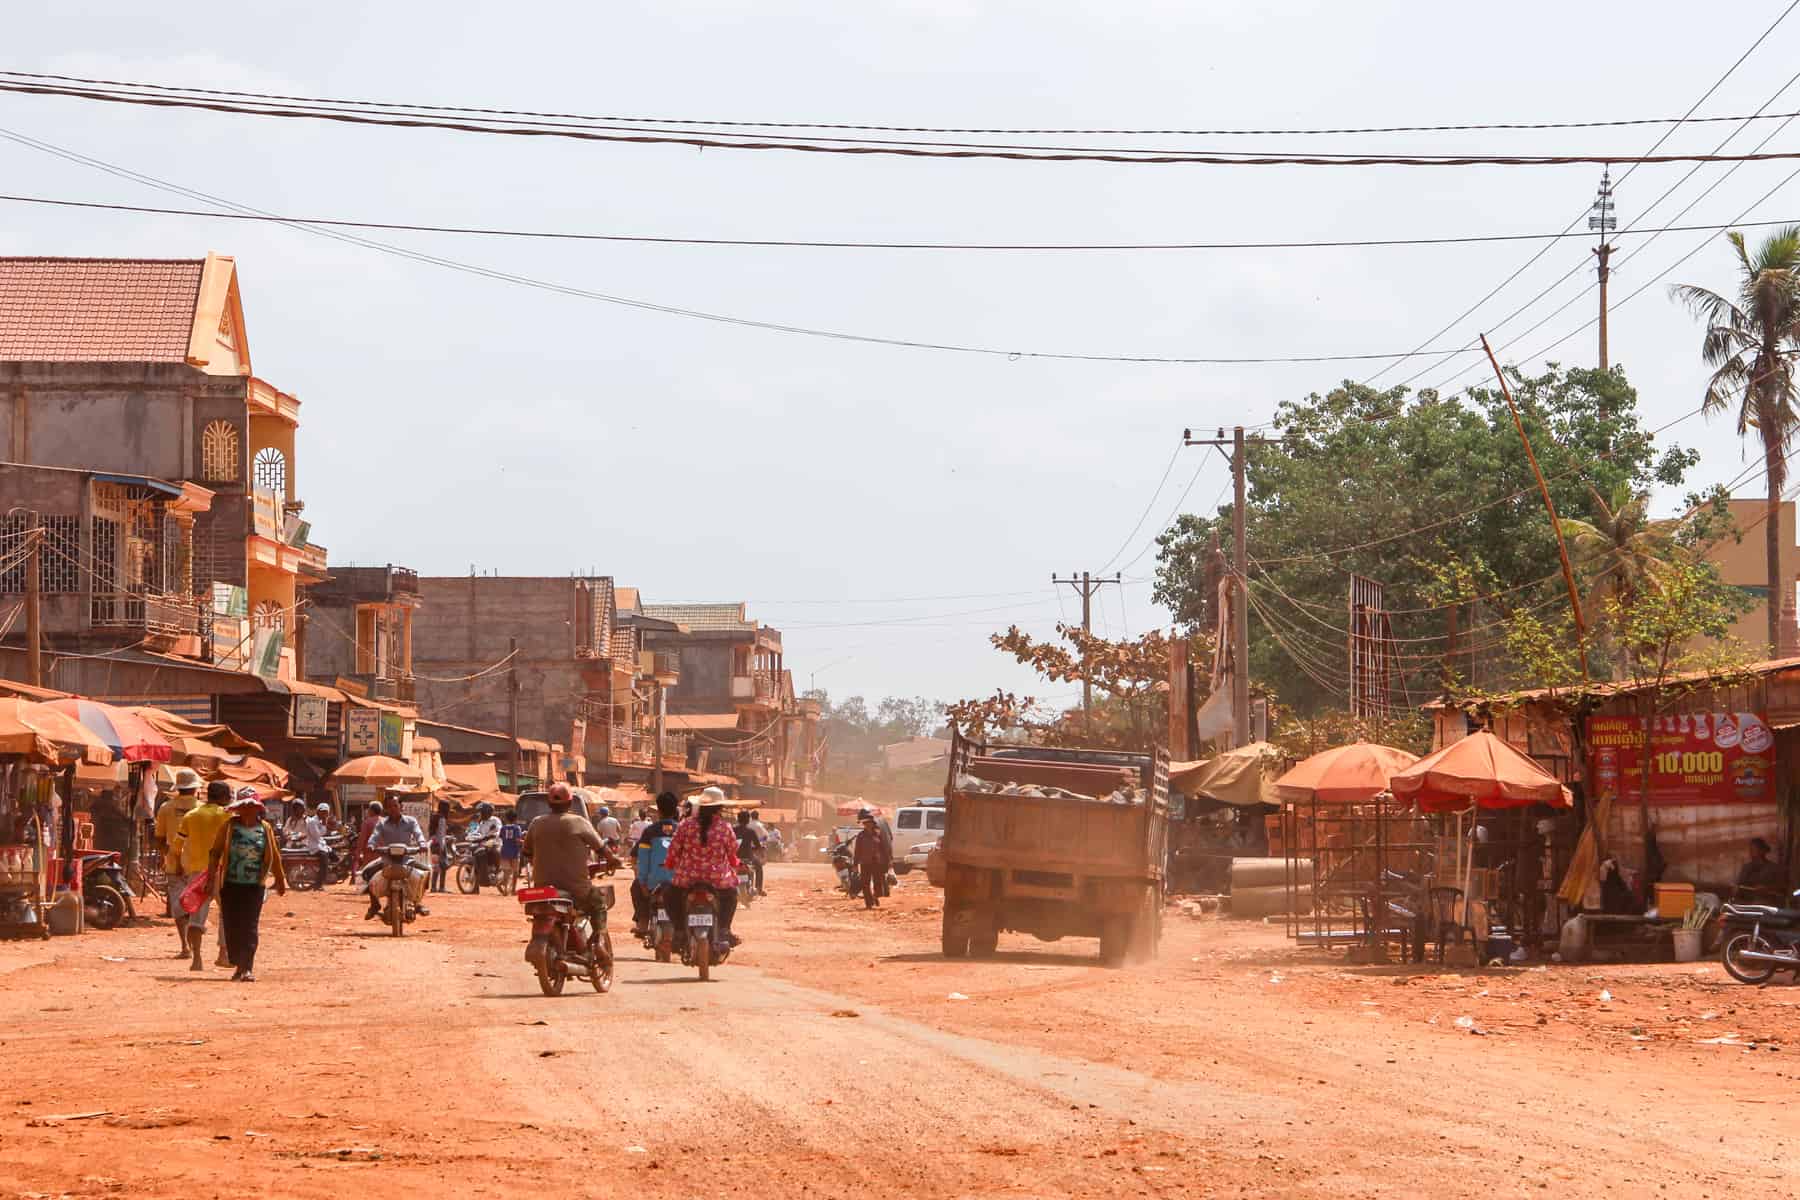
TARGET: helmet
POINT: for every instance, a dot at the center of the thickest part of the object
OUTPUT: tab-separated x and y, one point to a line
560	797
484	809
187	780
605	811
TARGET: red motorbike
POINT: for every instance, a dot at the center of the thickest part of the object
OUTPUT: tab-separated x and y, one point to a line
565	944
706	946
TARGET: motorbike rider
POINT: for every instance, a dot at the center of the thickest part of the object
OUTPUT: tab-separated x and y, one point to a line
484	843
308	834
750	847
558	845
704	850
650	854
608	827
395	828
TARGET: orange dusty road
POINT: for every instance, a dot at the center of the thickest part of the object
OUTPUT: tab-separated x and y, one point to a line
839	1052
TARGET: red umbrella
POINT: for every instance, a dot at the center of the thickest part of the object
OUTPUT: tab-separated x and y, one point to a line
1480	770
128	735
1345	774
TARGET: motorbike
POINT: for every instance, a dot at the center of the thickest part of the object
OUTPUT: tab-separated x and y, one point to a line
843	861
659	933
106	897
563	944
397	908
476	870
705	947
746	884
304	868
1761	939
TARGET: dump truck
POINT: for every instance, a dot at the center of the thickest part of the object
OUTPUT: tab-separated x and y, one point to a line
1055	843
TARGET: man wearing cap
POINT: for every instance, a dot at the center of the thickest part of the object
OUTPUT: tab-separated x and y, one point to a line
558	845
194	838
395	829
186	794
874	855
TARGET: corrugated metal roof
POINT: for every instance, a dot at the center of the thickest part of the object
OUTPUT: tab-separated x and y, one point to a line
97	309
705	722
701	616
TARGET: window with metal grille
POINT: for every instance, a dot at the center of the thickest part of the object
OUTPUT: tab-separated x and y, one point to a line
59	558
270	471
219	452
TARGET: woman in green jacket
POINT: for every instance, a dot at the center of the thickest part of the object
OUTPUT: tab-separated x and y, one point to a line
245	855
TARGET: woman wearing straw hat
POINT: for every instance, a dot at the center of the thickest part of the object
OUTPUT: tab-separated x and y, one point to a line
705	850
245	854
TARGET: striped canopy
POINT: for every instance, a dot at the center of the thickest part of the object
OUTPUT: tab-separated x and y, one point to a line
125	733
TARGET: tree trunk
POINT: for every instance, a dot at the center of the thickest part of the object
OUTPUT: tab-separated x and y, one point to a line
1778	587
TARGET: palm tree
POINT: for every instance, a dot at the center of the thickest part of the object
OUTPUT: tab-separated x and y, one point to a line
1621	549
1750	343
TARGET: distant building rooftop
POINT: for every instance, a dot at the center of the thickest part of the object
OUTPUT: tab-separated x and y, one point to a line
701	617
98	309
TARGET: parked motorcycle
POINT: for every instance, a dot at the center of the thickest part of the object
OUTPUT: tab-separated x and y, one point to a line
304	868
706	946
1761	939
106	897
563	944
843	861
397	908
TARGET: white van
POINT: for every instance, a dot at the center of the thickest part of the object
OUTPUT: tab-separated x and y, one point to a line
918	822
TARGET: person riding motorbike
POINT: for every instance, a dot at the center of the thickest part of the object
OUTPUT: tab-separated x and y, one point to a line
750	847
651	854
396	828
306	832
558	845
484	841
704	850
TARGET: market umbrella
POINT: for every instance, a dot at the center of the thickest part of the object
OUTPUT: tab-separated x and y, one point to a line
125	733
1482	771
379	770
1241	776
1345	774
40	731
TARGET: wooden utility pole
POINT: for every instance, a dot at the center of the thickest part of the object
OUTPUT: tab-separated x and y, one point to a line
656	767
34	624
512	711
1086	585
1240	570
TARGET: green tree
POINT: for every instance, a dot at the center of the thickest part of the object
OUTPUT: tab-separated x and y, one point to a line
1750	343
1391	485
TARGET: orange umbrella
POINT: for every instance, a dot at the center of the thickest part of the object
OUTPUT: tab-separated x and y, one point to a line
378	769
1345	774
1480	770
40	731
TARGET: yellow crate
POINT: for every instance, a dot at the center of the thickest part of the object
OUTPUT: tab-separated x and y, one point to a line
1673	900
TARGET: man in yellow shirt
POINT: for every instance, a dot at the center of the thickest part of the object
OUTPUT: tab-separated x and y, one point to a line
194	842
168	820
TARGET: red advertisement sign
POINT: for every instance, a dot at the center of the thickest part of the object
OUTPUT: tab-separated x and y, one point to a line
1698	758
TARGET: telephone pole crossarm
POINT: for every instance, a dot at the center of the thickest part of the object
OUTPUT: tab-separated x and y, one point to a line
1085	585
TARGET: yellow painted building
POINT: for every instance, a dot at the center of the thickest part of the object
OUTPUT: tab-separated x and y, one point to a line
1743	563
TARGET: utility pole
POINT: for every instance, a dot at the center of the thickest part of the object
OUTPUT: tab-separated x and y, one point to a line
1240	566
662	712
1602	221
1086	585
34	625
512	711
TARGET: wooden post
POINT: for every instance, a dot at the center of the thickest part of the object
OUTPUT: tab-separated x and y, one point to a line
34	625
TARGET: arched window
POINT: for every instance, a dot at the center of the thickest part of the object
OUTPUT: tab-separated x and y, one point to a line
270	615
270	471
219	452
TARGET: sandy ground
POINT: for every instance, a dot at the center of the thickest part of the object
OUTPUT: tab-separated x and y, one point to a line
839	1050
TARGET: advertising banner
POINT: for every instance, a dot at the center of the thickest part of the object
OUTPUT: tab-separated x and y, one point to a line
394	740
362	731
1698	758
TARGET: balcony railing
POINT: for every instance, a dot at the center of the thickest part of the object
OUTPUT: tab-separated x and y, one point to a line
146	611
313	557
639	746
760	687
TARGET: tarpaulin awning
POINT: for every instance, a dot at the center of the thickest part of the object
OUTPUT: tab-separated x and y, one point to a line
191	740
1242	776
722	722
126	734
480	777
252	770
626	795
13	687
41	732
1482	771
1345	774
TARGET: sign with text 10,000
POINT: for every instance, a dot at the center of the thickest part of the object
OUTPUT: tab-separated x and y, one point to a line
1695	758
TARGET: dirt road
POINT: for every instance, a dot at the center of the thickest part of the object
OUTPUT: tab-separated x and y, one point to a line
838	1051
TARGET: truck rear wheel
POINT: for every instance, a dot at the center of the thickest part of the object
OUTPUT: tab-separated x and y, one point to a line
956	933
1115	938
1146	927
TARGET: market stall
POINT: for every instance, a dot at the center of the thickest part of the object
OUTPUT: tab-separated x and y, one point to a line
39	839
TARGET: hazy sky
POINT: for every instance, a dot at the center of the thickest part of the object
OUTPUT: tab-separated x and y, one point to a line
885	507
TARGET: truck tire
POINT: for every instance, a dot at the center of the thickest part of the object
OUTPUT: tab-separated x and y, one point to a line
1115	939
1145	927
956	933
984	933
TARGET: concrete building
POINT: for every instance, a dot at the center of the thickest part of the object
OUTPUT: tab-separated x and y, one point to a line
359	631
1744	563
179	527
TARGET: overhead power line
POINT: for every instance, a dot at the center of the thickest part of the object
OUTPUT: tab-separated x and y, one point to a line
944	150
1473	126
826	244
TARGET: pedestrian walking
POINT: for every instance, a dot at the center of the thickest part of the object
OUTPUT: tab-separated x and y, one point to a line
512	837
181	801
194	838
874	854
244	856
440	847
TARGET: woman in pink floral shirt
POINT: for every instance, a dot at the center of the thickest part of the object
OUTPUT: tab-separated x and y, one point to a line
705	850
